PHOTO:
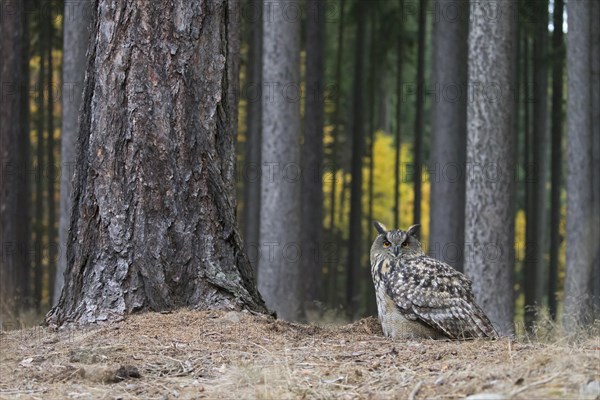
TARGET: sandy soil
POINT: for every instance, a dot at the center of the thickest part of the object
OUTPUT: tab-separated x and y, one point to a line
191	354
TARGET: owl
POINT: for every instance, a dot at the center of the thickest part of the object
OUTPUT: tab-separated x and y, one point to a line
419	296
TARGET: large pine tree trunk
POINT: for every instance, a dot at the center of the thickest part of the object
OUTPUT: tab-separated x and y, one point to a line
75	42
153	224
250	171
11	30
533	270
580	229
557	129
279	275
312	151
489	216
448	137
358	139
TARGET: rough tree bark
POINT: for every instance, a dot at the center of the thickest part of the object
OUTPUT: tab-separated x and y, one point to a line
449	135
312	152
558	55
279	275
11	30
251	168
580	229
358	139
489	216
75	42
153	224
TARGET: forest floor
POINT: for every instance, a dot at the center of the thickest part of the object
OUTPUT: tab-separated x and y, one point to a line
238	355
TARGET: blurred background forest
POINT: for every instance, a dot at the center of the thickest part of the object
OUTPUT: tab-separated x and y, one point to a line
374	101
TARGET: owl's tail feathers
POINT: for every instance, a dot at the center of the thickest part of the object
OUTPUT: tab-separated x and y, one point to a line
481	326
484	324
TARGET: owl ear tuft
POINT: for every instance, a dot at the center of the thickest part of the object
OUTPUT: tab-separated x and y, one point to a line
412	231
380	227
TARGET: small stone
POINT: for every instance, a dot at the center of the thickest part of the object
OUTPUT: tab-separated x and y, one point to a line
26	362
591	389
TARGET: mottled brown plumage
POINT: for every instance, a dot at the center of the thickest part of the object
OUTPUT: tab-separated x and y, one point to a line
419	296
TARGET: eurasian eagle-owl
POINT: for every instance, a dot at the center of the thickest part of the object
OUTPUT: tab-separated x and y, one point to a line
419	296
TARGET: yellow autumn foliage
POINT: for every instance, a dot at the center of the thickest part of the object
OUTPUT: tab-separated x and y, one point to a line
383	190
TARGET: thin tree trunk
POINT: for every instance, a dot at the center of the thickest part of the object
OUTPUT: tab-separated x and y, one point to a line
527	272
517	56
153	224
580	229
23	194
397	161
39	187
375	61
344	194
534	266
595	93
358	139
489	215
419	115
11	41
448	141
557	129
527	159
75	42
50	147
253	136
526	127
382	120
279	274
312	152
333	239
517	96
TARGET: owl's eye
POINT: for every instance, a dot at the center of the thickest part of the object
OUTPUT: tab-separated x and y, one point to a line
405	244
386	244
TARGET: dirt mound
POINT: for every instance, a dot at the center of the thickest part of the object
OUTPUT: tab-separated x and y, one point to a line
190	354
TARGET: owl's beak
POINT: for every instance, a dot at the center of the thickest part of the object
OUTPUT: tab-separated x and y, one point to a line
396	250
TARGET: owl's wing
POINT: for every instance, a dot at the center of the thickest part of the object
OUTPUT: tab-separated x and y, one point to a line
434	293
